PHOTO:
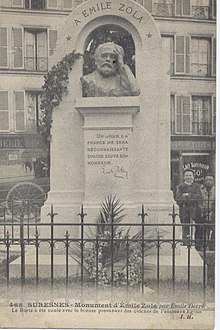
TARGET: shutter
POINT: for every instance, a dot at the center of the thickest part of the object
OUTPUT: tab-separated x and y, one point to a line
3	47
180	54
186	114
67	4
178	115
19	110
52	4
214	8
183	116
214	56
214	115
187	54
17	42
18	3
4	111
52	41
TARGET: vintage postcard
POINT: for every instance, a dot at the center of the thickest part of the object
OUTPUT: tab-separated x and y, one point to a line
107	164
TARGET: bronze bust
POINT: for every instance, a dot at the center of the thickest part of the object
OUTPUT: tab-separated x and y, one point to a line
111	77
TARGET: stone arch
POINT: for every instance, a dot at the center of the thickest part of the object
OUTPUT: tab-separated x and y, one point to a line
91	14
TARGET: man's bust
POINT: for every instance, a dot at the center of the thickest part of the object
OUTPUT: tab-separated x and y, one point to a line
112	77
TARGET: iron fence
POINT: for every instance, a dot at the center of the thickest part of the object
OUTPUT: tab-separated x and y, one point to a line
77	242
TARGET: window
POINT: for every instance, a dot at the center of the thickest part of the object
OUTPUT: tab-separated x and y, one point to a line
200	57
19	111
4	111
32	110
35	4
36	50
182	7
201	111
194	56
192	114
3	47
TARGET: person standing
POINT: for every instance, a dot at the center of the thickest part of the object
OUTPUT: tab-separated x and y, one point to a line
189	198
208	209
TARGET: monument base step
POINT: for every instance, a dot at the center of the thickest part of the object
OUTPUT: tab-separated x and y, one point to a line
44	266
181	266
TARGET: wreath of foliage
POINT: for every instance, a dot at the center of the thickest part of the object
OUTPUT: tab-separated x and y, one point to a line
125	253
55	87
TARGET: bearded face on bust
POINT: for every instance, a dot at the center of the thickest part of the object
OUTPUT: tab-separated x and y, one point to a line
106	59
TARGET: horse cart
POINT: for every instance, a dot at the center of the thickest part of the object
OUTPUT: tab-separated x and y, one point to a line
24	185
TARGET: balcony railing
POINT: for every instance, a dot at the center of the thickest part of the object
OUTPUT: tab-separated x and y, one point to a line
201	128
201	12
163	9
200	70
197	129
36	63
168	10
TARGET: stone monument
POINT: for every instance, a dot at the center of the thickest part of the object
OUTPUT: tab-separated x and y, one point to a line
111	133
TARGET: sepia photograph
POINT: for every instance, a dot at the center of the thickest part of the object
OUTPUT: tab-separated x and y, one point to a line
108	164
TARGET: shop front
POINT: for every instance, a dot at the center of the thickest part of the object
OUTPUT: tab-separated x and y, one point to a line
196	155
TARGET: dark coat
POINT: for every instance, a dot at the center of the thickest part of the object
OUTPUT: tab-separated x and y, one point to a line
190	206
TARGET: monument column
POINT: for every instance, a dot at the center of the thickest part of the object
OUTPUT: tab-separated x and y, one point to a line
108	147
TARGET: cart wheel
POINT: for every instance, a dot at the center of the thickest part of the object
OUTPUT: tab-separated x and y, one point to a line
25	200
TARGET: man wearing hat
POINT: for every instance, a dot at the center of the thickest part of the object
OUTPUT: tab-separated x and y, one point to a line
189	199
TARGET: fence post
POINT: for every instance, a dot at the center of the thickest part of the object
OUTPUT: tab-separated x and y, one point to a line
37	256
204	264
112	251
22	244
67	257
127	261
158	263
174	215
142	215
97	261
82	215
52	216
8	256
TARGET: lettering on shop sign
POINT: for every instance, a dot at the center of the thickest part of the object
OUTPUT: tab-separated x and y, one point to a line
6	143
106	6
110	152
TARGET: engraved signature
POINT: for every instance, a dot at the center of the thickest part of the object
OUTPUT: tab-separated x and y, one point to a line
118	171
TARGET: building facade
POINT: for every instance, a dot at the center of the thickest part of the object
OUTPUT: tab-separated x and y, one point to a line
28	34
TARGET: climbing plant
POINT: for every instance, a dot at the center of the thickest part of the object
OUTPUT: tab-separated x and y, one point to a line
54	88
